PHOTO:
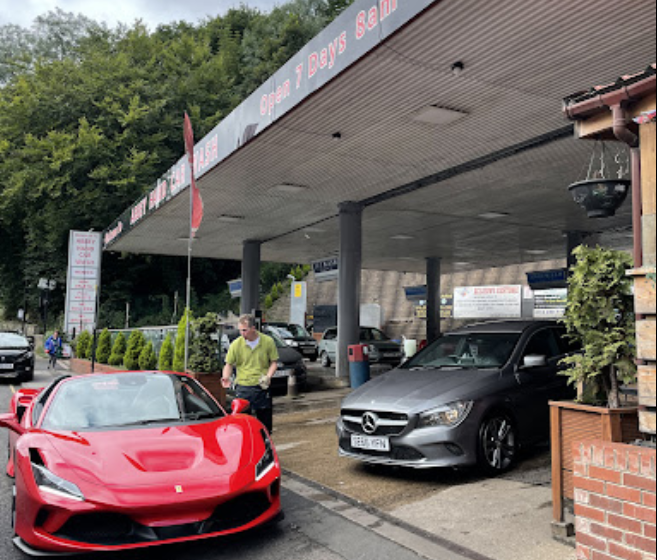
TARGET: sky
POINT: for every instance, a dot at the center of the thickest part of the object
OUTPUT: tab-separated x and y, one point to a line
151	12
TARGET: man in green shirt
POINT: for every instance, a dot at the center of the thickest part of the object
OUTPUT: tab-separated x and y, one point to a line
256	358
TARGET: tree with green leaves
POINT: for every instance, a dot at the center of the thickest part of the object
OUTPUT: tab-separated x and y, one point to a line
104	347
147	357
600	317
118	350
179	351
204	349
136	342
90	119
166	354
83	345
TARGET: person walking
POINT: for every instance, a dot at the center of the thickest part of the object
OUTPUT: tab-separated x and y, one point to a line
53	348
256	358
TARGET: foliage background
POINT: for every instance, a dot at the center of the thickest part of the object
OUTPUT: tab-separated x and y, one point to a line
91	116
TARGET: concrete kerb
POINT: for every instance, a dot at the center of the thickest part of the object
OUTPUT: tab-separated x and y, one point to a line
418	540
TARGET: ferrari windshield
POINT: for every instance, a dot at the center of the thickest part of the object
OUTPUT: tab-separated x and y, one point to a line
128	399
468	350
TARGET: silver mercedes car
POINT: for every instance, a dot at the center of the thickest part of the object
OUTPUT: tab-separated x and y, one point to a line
473	396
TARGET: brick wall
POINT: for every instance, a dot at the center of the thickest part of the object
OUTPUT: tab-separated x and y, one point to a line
84	366
614	501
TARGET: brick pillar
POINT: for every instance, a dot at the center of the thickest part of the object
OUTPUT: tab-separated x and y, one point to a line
614	501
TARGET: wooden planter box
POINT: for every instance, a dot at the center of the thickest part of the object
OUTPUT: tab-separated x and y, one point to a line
212	383
571	422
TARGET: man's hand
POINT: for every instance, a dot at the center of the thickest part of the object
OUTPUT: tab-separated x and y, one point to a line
264	382
225	382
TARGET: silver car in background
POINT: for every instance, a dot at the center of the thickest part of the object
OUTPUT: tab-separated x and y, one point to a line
473	396
382	349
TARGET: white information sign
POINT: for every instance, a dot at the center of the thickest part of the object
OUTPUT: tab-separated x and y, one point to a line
83	280
550	304
487	302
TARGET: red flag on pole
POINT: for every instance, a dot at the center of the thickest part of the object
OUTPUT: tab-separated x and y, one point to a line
196	200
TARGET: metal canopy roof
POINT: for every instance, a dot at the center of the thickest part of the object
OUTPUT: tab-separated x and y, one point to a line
427	188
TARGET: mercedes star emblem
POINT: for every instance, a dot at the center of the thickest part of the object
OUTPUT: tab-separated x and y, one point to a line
370	421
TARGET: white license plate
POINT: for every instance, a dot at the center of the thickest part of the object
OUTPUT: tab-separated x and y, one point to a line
391	355
284	372
370	442
6	366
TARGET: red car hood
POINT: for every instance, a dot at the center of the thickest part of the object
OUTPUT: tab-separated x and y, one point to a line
155	456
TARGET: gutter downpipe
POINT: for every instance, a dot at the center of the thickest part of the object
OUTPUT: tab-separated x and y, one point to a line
617	100
624	134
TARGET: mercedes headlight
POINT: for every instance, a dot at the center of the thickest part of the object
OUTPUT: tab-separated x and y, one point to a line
49	482
266	462
292	343
450	415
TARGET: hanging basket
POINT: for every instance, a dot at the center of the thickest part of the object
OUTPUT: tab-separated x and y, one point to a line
600	197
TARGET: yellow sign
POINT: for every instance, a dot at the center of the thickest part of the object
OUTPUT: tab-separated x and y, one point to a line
298	290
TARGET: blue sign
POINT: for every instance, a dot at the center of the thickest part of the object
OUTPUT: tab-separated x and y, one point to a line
235	288
416	293
547	279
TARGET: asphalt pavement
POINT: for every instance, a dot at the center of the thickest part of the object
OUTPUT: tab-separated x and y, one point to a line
459	511
341	509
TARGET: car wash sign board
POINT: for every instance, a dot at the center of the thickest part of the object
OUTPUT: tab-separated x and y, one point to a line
361	28
487	302
82	280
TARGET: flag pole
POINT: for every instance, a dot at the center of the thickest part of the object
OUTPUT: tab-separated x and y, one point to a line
189	148
189	274
195	218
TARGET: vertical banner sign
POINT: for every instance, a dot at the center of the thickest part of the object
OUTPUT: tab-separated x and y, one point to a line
82	281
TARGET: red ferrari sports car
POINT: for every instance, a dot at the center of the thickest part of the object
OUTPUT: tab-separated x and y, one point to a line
115	461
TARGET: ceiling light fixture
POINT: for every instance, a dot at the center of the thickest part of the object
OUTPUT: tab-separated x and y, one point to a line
535	251
402	237
433	114
493	215
289	188
457	68
230	219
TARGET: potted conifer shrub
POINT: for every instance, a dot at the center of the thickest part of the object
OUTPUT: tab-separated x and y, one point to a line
599	318
204	359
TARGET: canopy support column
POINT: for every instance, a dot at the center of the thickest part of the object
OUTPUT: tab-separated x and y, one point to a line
350	261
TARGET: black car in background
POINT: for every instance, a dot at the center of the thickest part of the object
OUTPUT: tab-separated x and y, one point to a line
16	357
295	336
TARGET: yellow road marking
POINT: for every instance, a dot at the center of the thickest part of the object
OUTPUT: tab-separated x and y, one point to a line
13	389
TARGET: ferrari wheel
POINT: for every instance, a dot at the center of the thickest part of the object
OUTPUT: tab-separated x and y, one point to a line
497	444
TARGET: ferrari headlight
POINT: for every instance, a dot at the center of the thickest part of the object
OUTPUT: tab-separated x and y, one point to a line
266	462
48	481
451	415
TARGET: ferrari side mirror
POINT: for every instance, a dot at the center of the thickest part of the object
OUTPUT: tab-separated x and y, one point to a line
10	422
239	405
